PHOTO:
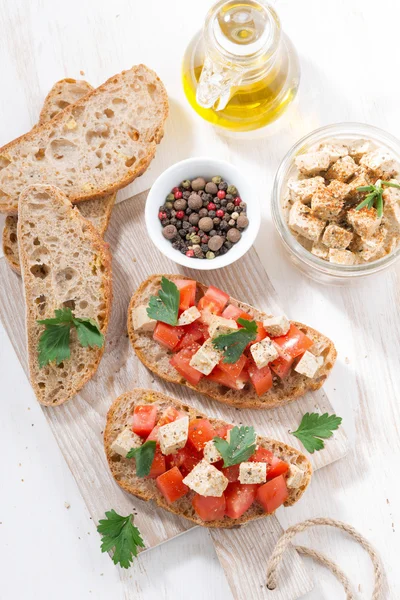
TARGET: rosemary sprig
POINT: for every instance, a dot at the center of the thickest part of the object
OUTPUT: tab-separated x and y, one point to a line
374	198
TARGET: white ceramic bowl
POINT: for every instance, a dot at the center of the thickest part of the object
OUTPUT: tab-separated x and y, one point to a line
207	168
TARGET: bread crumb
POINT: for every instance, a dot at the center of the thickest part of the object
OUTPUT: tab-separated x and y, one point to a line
82	72
347	360
67	505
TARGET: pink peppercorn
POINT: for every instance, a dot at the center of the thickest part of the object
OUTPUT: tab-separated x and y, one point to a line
221	194
180	214
178	195
211	206
162	215
237	201
175	189
220	213
190	253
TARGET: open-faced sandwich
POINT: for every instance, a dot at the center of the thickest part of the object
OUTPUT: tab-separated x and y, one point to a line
204	469
198	336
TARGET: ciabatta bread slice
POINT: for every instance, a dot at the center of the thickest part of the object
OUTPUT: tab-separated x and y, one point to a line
64	263
62	94
156	357
93	147
120	415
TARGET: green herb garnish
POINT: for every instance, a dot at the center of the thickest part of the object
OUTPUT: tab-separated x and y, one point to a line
234	344
120	534
313	427
54	342
241	445
374	198
144	456
165	306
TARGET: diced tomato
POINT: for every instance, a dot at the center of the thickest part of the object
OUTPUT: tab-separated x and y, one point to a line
261	333
187	293
222	431
275	466
171	485
169	415
213	301
209	508
167	335
200	432
144	419
233	369
231	473
181	360
239	498
282	366
153	435
195	332
260	378
235	313
185	459
294	343
223	378
158	466
272	495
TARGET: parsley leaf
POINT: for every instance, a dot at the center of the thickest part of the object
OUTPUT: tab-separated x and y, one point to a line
241	445
375	195
165	306
54	342
313	427
119	533
233	344
144	456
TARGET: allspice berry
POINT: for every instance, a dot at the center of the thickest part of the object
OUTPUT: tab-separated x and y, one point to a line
242	222
206	224
233	235
198	184
195	202
170	232
180	204
215	243
194	219
211	188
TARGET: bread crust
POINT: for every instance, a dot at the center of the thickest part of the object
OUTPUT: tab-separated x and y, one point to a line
120	413
282	393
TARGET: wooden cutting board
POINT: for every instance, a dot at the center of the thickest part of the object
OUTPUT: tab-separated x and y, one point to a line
78	425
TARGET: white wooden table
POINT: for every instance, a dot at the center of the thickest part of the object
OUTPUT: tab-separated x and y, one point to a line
350	63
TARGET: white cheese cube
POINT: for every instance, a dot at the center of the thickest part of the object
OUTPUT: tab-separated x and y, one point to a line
320	250
126	440
276	325
304	189
381	162
252	472
189	316
211	454
336	237
391	215
220	326
374	247
360	147
173	436
335	150
342	169
309	364
341	257
365	221
313	162
141	320
206	480
264	352
295	477
301	221
206	358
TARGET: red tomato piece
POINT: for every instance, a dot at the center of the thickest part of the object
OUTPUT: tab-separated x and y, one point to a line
222	431
144	419
181	360
233	369
294	343
187	293
209	508
282	366
275	466
261	333
169	415
153	435
235	313
171	485
239	498
185	459
200	432
260	378
168	336
214	301
195	332
272	495
223	378
231	473
158	466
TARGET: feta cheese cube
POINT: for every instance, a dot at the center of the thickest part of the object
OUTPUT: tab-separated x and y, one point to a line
252	472
211	454
360	147
126	440
374	247
303	222
220	326
189	316
303	189
318	249
294	477
341	257
335	150
206	358
173	436
309	364
365	222
338	189
336	237
206	480
381	162
264	352
342	169
313	162
276	325
325	206
141	320
362	178
391	215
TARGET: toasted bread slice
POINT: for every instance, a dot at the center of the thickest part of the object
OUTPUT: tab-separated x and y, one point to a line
120	415
62	94
156	358
64	263
93	147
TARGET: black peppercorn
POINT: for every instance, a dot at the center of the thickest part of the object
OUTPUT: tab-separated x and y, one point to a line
182	233
223	186
211	213
212	232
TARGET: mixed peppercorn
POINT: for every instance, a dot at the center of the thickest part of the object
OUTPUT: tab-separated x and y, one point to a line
203	219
